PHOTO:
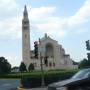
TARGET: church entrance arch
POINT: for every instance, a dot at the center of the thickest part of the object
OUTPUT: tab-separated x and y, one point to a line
49	51
49	54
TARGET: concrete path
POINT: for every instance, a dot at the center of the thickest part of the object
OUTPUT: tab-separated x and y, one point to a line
37	89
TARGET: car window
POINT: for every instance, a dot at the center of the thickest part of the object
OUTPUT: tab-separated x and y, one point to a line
87	74
82	74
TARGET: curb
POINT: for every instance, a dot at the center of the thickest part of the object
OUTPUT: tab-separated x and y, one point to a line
18	88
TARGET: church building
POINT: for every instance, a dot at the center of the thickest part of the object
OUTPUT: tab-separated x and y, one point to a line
51	53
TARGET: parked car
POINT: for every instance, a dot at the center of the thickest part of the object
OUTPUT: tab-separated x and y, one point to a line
80	81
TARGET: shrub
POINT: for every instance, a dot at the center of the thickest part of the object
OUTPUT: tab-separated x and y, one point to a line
49	77
33	79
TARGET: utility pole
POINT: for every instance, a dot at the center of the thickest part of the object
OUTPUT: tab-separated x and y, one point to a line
41	64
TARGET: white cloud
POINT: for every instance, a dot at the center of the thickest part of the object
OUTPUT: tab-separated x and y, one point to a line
43	19
81	16
9	23
41	12
7	5
10	28
59	25
82	31
14	60
52	26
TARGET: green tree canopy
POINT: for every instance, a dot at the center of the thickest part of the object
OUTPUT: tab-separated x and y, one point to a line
22	67
5	66
31	67
84	63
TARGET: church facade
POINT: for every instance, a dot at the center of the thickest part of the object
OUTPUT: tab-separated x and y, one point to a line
51	53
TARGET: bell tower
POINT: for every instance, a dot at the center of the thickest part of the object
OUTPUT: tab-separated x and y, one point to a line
25	38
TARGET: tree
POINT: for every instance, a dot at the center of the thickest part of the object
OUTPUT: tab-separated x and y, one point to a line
75	63
31	67
5	66
88	44
84	63
22	67
36	49
15	69
88	56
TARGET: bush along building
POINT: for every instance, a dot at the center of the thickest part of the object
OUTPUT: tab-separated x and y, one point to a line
48	50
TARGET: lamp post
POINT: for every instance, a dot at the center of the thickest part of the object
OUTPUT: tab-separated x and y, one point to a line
41	64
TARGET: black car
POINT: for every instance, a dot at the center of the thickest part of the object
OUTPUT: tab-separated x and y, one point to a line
80	81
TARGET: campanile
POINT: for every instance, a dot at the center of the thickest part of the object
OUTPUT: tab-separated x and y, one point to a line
25	38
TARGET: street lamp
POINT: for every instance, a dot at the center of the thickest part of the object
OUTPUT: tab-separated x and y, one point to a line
41	64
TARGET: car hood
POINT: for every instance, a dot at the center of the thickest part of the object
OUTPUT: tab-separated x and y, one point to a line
66	82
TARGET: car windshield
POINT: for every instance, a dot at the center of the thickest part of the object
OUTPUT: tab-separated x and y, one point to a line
82	74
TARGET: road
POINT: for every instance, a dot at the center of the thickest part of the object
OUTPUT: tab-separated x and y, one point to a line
9	84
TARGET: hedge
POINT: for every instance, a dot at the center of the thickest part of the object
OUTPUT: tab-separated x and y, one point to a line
32	81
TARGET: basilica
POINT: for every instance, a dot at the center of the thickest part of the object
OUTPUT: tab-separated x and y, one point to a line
51	54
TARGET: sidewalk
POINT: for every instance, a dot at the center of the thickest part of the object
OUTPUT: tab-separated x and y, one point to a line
33	88
37	88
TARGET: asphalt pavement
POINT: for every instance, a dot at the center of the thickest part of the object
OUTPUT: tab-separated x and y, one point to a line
9	84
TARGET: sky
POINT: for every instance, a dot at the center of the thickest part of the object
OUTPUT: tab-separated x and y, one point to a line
67	21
